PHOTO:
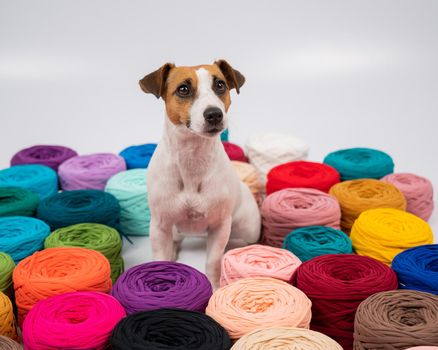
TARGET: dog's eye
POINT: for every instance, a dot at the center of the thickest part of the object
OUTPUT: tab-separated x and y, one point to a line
219	86
183	90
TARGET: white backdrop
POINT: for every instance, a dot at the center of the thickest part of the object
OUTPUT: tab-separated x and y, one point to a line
336	73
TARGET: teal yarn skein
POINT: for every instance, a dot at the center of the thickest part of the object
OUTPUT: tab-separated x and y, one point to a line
312	241
360	163
80	206
21	236
225	135
15	201
37	178
129	187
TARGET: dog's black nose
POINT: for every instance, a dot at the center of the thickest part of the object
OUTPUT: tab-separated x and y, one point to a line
213	115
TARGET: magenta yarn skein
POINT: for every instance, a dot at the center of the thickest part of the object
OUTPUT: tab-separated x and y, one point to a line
89	172
76	320
49	155
162	284
417	190
286	210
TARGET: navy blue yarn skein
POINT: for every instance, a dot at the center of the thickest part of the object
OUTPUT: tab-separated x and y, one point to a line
138	156
417	268
80	206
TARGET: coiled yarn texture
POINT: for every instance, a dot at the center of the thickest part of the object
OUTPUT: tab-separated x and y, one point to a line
7	265
168	329
396	320
7	319
138	156
15	201
48	155
7	343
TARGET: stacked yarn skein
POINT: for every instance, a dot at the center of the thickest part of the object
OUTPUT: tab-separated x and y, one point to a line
7	343
138	156
7	319
15	201
48	155
292	208
234	151
7	265
89	172
249	176
37	178
130	189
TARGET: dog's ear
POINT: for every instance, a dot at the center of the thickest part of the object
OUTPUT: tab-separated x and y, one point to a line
155	82
234	78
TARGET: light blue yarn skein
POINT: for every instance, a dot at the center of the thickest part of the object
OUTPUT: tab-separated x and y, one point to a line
37	178
129	187
21	236
360	163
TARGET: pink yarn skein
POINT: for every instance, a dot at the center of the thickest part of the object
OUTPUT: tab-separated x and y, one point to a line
417	190
77	320
286	210
258	261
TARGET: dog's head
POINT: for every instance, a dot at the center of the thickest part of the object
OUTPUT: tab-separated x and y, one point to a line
196	97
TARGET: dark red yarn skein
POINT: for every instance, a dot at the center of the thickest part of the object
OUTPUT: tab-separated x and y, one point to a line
234	152
302	174
336	284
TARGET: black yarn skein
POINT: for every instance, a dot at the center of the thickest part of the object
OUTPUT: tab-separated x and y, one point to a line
169	329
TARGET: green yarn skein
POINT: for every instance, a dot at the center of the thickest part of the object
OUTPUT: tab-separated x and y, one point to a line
7	266
101	238
16	201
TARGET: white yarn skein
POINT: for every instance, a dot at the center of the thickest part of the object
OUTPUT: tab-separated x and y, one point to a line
268	150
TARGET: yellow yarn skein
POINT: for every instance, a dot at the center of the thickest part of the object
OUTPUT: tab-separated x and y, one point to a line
384	232
8	326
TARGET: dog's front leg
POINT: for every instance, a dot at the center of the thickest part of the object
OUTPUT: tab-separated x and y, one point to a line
161	236
217	240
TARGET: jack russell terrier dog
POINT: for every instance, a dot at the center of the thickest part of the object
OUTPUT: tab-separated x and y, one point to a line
192	185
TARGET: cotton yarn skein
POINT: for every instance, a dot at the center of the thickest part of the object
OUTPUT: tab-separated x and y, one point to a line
360	163
138	156
336	284
417	190
268	150
56	271
252	303
285	338
292	208
258	261
356	196
7	265
302	174
21	236
168	329
312	241
89	172
383	233
7	343
73	207
249	176
48	155
101	238
15	201
234	151
130	189
162	284
7	319
417	268
39	179
88	319
396	320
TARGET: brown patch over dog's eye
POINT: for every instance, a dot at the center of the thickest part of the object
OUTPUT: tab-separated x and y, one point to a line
219	86
184	90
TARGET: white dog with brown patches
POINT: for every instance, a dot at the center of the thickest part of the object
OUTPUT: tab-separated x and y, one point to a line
192	185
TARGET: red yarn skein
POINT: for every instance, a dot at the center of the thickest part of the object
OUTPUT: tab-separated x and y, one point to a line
336	284
302	174
234	152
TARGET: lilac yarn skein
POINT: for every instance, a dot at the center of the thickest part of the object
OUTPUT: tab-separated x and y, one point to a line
49	155
162	284
89	172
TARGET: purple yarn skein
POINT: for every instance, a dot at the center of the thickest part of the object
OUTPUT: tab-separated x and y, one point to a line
89	172
48	155
162	284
